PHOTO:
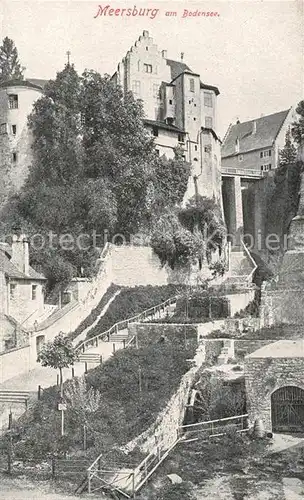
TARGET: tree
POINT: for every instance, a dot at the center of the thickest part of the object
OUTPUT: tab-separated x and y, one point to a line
58	354
298	126
10	68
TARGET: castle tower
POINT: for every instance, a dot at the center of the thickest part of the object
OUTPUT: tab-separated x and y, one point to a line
16	104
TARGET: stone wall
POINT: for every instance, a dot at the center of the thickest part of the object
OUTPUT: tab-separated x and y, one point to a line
15	362
238	347
263	376
165	428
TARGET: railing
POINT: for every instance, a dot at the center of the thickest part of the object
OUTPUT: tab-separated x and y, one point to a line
129	481
121	325
213	428
243	172
249	277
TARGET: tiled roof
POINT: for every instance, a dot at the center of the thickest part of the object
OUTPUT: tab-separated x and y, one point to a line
267	129
164	125
21	83
12	271
178	67
38	81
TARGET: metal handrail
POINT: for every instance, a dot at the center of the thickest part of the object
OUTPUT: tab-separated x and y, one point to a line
124	323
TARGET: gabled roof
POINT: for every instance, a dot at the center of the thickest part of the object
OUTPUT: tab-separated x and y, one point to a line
7	267
178	67
267	129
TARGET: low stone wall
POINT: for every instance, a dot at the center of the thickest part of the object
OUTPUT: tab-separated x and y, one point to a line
147	332
15	362
164	429
239	326
238	347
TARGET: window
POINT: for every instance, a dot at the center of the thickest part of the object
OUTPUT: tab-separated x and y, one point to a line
195	148
148	68
157	152
265	154
12	288
265	168
13	101
170	101
194	119
207	148
241	157
191	84
208	99
14	157
3	128
34	292
14	129
180	138
147	48
136	88
195	159
155	131
208	122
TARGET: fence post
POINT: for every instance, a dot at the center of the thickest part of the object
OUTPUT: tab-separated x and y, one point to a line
57	382
113	348
39	392
73	372
124	343
96	341
53	467
100	359
10	420
85	367
89	481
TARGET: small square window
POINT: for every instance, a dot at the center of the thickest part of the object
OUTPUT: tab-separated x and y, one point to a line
14	156
261	154
14	129
147	48
195	148
191	84
170	101
180	138
194	119
269	152
155	131
148	68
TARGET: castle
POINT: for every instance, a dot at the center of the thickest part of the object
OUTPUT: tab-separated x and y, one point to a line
180	111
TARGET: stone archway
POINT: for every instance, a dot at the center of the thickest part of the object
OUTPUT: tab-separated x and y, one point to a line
287	409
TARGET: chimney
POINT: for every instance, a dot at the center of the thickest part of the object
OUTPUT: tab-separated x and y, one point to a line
237	145
182	56
254	127
164	54
20	252
146	34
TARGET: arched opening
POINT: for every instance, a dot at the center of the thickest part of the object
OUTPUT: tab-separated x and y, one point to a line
39	343
287	409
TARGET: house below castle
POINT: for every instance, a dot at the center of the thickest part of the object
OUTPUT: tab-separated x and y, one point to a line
21	288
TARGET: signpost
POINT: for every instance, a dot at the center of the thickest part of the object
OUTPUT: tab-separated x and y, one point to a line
62	406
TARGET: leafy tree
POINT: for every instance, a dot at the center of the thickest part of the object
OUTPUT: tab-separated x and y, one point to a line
10	68
58	354
298	126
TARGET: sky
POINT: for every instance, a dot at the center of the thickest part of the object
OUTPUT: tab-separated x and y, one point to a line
252	51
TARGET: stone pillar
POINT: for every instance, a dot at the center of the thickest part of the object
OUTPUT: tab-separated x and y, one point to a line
235	210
